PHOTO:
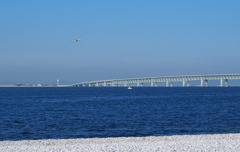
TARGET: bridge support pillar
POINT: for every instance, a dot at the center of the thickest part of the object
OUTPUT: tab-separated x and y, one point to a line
104	84
186	83
169	84
224	83
139	84
204	83
125	85
153	84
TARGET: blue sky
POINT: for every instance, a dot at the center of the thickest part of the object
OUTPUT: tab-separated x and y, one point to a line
120	39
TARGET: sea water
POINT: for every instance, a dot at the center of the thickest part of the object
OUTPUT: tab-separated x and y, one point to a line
62	113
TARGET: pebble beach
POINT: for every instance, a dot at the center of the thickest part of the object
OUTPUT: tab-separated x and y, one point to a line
217	142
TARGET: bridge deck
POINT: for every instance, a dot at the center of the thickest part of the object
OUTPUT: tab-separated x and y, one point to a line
167	79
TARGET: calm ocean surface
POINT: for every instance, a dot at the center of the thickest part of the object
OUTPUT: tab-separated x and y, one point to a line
56	113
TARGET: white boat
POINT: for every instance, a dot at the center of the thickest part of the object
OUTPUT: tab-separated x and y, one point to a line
129	88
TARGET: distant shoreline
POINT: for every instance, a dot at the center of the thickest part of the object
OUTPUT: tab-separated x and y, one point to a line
15	86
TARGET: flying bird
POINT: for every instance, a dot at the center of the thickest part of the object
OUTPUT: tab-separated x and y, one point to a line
76	40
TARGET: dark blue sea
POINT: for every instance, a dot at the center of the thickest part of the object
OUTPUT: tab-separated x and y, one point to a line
57	113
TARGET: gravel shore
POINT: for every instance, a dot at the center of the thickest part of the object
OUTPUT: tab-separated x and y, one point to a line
218	142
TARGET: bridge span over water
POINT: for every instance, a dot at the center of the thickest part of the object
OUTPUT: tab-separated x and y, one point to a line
168	80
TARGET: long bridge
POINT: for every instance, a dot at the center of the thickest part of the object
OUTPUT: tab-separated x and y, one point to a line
168	80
